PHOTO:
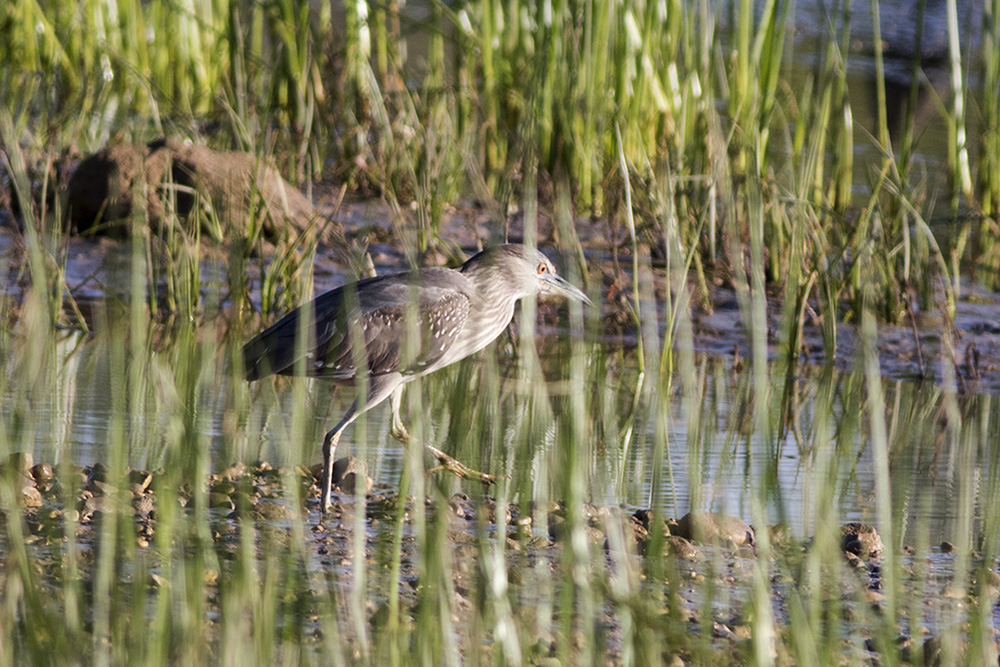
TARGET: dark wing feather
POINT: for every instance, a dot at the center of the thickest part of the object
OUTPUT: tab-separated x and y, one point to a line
378	307
276	349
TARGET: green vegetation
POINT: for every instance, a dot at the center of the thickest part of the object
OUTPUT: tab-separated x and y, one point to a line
715	159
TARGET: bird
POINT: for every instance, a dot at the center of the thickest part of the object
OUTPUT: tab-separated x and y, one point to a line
370	323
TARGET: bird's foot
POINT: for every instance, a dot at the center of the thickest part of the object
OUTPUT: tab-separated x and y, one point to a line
458	468
400	433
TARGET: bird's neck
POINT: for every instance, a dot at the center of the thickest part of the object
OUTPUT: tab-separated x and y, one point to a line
497	312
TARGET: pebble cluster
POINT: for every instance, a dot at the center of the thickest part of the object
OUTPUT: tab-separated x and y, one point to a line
260	492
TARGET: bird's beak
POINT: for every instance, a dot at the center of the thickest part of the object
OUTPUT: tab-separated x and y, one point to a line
559	285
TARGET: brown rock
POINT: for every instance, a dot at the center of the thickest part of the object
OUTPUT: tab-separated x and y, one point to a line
677	546
30	496
346	473
861	539
710	528
42	474
234	472
166	175
272	511
17	463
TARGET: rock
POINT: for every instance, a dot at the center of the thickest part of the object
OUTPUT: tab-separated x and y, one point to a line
140	479
42	474
548	507
170	174
268	510
710	528
874	597
30	496
679	547
346	473
221	501
992	581
547	662
17	463
234	472
861	539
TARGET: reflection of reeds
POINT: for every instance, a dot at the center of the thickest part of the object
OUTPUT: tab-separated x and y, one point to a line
724	175
253	589
989	153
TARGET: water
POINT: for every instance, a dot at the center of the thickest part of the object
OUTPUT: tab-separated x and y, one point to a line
729	467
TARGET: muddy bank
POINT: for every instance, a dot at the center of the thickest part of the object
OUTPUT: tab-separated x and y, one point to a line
221	192
227	186
701	554
963	354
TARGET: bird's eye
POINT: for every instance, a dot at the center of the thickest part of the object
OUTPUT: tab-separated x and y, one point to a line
542	269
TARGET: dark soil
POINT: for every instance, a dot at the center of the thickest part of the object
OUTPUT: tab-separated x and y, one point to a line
221	188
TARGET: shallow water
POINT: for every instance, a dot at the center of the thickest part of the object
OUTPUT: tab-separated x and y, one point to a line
729	467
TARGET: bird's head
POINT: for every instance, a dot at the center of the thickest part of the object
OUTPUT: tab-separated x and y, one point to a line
521	272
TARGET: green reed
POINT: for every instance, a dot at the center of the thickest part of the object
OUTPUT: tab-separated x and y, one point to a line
527	87
637	111
989	182
206	594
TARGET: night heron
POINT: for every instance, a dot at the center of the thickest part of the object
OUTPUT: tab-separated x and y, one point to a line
458	312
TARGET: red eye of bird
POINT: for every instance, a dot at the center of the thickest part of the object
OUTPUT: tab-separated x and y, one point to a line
542	269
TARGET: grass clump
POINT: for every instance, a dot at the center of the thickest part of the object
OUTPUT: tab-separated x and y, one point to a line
723	164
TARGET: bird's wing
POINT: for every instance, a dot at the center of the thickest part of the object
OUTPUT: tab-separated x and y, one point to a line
277	349
392	344
375	311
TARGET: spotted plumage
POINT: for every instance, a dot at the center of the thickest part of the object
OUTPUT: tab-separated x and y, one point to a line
374	311
409	325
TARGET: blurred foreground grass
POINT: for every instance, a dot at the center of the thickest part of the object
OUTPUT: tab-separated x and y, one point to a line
709	167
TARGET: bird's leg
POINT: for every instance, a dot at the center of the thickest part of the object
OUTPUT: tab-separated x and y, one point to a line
329	449
448	463
399	431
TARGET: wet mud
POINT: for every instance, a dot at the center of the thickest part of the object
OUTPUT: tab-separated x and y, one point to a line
698	555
